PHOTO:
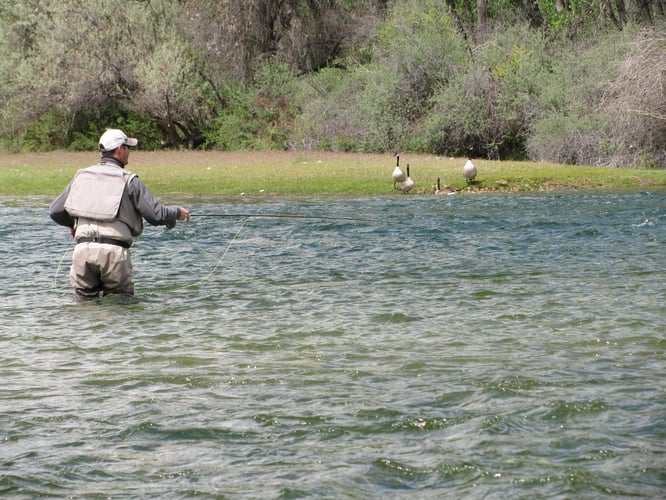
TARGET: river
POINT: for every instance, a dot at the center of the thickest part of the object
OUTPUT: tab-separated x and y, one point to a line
466	346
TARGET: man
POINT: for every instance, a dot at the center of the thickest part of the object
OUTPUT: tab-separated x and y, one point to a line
104	206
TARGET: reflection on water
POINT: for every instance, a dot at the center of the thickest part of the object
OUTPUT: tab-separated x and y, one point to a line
495	345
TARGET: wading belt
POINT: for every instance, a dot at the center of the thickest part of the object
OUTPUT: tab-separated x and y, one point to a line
108	241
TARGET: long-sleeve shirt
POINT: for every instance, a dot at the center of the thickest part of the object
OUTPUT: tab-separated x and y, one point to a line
145	204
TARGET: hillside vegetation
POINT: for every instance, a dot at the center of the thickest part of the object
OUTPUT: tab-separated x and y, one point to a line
580	82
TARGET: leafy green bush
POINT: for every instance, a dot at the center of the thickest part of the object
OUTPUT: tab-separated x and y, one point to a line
379	106
48	132
573	81
486	109
248	122
90	125
56	130
419	52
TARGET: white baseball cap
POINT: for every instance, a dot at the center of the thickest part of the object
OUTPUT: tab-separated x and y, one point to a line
114	138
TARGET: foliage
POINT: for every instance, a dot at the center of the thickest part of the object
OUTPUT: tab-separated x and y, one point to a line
486	109
48	131
172	92
574	122
420	50
81	132
636	103
579	81
590	16
248	122
375	107
145	129
325	102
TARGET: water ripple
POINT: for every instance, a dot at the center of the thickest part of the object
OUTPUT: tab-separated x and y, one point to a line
487	346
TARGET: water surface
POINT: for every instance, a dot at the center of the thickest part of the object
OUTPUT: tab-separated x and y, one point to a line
457	346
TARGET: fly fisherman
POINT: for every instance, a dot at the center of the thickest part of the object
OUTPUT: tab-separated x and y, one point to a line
104	206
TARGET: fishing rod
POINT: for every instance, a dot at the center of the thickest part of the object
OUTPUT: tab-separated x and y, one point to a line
284	216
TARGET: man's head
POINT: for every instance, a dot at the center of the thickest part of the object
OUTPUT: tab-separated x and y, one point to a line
115	143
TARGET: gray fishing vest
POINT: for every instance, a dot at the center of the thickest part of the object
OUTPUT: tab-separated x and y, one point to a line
98	197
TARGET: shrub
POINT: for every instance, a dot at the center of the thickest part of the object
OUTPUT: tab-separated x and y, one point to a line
46	133
486	109
571	120
248	122
326	102
89	125
636	103
379	107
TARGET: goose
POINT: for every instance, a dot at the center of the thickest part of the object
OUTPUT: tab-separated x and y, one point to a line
469	171
446	190
406	185
398	175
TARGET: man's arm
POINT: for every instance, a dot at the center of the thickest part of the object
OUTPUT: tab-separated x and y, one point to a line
150	209
57	210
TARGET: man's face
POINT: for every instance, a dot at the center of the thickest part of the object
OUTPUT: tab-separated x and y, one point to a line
123	154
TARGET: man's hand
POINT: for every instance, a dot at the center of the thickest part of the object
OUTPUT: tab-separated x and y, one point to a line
184	214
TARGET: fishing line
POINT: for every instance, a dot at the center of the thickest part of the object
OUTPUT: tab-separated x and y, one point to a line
178	287
55	277
196	283
285	216
244	217
210	273
219	261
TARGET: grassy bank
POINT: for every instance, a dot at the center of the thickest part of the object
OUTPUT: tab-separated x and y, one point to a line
310	173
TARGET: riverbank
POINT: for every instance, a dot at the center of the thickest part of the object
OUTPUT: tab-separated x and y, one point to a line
312	173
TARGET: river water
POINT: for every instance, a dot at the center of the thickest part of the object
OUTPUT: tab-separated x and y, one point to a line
487	346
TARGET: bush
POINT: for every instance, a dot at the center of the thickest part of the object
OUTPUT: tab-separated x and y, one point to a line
379	106
486	109
636	103
56	130
248	122
571	120
326	100
47	133
565	139
89	126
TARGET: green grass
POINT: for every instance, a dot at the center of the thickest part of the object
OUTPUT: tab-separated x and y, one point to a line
314	173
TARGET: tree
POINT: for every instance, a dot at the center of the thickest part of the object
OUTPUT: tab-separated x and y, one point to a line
77	56
21	89
636	102
307	35
170	91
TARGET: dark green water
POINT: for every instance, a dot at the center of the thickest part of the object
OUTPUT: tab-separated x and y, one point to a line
487	346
